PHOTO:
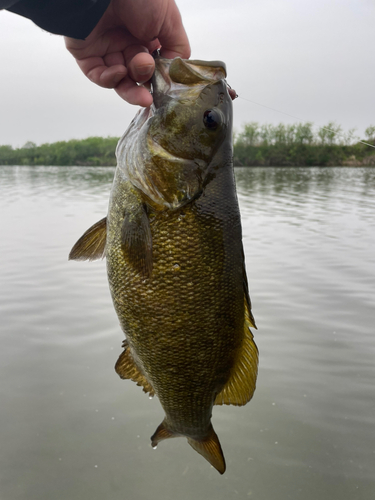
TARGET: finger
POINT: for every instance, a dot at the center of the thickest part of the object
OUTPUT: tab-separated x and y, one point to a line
96	70
114	58
140	66
112	76
128	90
173	38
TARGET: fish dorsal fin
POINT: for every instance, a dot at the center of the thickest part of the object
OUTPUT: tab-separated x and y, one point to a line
91	245
127	369
241	384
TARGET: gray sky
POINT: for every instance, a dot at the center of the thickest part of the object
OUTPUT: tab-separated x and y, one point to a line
312	59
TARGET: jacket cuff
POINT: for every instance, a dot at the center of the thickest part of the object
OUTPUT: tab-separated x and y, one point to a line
73	18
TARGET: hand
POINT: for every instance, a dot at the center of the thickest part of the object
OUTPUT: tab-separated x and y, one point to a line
116	54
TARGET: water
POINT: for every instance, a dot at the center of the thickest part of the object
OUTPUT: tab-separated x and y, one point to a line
71	429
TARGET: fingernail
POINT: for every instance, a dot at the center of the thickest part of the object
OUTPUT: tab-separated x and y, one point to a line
145	70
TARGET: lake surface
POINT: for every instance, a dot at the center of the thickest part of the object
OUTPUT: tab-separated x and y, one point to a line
72	430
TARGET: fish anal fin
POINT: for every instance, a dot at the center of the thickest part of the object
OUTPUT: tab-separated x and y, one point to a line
127	369
136	240
210	449
91	245
241	384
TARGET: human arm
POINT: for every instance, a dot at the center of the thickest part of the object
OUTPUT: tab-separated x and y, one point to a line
112	40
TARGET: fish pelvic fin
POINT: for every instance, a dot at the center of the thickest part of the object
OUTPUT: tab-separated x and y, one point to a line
126	368
209	446
241	384
210	449
91	245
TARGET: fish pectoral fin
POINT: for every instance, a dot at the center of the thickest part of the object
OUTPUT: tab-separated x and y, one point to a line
210	449
136	240
241	384
127	369
91	245
209	446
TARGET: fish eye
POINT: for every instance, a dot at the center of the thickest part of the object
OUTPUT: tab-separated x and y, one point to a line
211	119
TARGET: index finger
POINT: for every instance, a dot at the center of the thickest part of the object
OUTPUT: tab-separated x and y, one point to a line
172	37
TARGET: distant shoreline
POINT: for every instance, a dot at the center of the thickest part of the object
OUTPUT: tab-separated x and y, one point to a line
357	165
257	145
301	144
350	162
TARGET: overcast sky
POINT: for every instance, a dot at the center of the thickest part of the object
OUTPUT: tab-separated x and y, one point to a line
313	59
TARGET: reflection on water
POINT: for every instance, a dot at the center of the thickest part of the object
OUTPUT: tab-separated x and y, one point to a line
70	428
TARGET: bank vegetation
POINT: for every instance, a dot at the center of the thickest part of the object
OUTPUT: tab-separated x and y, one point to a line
302	144
299	144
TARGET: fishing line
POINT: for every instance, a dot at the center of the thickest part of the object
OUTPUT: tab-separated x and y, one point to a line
297	118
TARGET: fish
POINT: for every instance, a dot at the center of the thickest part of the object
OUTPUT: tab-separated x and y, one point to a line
172	240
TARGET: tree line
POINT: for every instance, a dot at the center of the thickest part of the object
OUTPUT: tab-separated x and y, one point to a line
257	144
97	151
301	145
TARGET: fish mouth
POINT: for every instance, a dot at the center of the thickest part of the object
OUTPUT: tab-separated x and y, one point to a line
183	79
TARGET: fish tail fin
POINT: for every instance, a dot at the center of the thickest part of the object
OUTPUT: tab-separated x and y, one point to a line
210	448
161	433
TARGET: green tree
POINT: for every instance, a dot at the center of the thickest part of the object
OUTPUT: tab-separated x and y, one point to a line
250	135
266	134
29	145
304	133
290	131
370	133
279	134
349	137
330	133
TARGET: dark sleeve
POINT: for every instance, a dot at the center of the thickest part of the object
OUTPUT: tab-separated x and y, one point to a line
73	18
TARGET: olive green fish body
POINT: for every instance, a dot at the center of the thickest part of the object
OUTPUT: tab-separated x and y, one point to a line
175	261
185	323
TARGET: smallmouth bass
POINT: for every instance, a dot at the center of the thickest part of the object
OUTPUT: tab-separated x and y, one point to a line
173	243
